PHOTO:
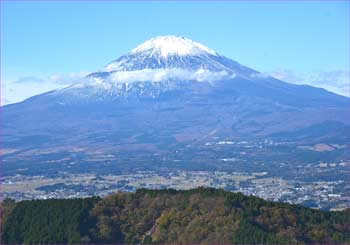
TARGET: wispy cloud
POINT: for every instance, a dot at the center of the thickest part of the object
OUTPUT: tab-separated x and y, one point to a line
25	87
13	91
337	81
260	75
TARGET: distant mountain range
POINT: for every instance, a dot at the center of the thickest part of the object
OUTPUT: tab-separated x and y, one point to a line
170	91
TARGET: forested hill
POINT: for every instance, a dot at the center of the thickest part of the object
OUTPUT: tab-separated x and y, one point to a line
198	216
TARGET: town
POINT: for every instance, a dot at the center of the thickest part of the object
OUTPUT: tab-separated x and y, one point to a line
330	195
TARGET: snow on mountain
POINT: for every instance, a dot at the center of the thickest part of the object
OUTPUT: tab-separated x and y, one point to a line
167	52
172	45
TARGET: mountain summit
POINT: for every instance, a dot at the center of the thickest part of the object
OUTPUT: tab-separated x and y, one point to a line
172	52
172	45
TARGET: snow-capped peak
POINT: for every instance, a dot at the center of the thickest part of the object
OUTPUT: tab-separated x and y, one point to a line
158	65
168	52
171	58
172	45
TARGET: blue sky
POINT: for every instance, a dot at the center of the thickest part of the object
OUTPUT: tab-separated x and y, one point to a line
54	42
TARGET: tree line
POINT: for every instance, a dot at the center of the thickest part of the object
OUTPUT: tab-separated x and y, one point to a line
197	216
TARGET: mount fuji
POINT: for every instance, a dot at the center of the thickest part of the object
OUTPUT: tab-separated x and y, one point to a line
158	65
166	93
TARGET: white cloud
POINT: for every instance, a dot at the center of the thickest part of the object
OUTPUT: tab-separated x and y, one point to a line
157	75
337	81
260	75
13	91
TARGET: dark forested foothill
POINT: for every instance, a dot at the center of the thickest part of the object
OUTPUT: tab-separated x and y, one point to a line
197	216
59	221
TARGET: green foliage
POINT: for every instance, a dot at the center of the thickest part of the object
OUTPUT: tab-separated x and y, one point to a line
197	216
51	221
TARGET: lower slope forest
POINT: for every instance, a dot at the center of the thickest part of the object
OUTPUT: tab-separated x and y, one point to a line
197	216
